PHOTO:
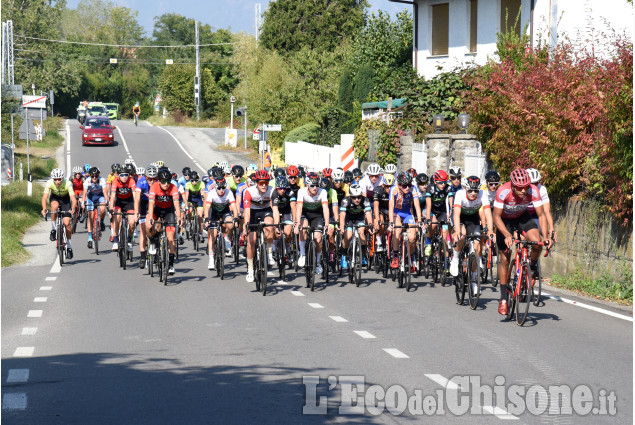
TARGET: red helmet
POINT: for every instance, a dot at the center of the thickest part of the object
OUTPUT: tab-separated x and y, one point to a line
292	171
261	175
412	172
327	172
312	179
440	176
520	178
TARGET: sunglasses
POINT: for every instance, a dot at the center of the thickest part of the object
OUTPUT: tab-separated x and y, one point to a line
165	181
472	191
263	183
493	184
404	185
356	197
221	187
124	175
57	180
94	176
194	180
455	177
150	178
521	188
292	177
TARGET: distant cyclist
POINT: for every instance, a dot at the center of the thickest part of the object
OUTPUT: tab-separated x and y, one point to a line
136	112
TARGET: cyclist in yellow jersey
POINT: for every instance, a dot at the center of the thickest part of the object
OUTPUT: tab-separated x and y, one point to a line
59	190
194	194
136	111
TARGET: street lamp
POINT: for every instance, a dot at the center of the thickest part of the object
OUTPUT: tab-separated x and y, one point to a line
464	122
437	122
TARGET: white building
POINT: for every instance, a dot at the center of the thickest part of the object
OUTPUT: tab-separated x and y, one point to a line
448	33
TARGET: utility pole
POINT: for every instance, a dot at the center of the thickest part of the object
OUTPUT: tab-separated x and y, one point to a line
258	20
8	64
197	78
245	109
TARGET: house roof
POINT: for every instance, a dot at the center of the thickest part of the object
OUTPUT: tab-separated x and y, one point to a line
396	103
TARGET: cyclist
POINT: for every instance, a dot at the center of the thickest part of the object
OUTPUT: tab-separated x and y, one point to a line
185	177
333	203
284	209
357	175
136	112
371	181
546	204
467	204
115	169
141	205
348	177
163	202
295	183
390	169
94	194
436	194
355	210
510	213
220	205
340	188
237	173
454	186
493	180
59	190
193	194
86	172
78	189
400	211
258	199
122	198
381	201
309	200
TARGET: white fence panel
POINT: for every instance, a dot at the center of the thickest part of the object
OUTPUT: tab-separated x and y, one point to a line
474	162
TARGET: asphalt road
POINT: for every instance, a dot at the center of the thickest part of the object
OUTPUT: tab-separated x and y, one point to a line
91	343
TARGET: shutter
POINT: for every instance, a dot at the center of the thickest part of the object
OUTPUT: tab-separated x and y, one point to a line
473	24
510	11
440	29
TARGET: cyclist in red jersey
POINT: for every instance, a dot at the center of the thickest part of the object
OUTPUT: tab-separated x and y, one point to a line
122	198
510	213
78	188
163	202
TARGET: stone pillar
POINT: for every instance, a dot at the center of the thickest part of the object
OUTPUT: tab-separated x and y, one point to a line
404	160
459	144
438	149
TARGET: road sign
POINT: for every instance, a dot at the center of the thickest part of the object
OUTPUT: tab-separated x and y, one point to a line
272	127
113	60
256	135
29	101
27	123
169	61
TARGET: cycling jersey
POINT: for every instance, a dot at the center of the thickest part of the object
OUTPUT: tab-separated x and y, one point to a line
78	185
163	198
61	190
341	192
240	191
218	202
233	186
181	182
252	198
512	206
312	204
123	190
355	212
111	178
368	187
297	186
468	207
283	202
438	198
544	197
95	189
143	188
380	195
135	110
402	201
331	196
195	189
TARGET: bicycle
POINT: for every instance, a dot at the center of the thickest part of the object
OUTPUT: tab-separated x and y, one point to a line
404	271
325	254
282	253
60	243
469	272
123	252
96	226
311	256
491	267
75	216
192	226
519	290
354	254
439	255
236	241
219	249
162	256
337	257
260	256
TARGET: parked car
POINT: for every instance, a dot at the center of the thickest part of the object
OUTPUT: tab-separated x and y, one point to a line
98	131
113	110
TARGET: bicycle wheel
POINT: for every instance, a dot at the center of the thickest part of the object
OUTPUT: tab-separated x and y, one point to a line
310	264
486	259
443	276
357	272
436	263
459	287
150	262
408	269
194	233
525	296
165	259
74	220
337	257
474	280
325	259
537	287
263	268
257	274
494	272
236	245
61	244
296	252
96	230
123	244
282	256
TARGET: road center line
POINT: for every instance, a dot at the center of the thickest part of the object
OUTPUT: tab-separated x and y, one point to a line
14	401
396	353
297	293
23	352
40	299
29	331
590	307
316	305
46	288
123	139
365	334
34	313
51	278
182	148
338	319
18	375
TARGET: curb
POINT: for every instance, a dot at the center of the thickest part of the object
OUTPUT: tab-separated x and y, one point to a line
573	294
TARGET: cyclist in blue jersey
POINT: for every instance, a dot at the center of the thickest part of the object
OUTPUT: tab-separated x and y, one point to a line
94	193
400	211
143	188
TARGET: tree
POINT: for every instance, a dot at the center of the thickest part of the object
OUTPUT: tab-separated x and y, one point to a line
345	93
290	25
363	82
177	88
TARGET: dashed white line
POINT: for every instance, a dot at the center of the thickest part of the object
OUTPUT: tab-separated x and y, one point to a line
14	401
499	413
297	293
18	375
35	313
396	353
51	278
56	268
590	307
441	380
40	299
316	305
338	319
23	352
46	288
365	334
29	331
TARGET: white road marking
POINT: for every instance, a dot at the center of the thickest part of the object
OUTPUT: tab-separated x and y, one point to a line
29	331
34	313
56	265
18	375
590	307
442	381
316	305
183	149
396	353
46	288
282	282
123	139
338	319
23	352
40	299
51	278
14	401
499	413
365	334
297	293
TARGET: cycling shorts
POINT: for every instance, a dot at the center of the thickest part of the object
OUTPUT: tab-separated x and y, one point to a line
91	200
64	203
472	223
354	221
406	216
316	220
286	218
257	216
143	210
224	215
168	215
524	223
443	216
126	205
196	201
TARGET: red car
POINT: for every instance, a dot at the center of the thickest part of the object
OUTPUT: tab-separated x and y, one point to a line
97	131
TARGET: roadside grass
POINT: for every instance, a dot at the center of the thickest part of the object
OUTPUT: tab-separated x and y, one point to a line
616	286
19	212
40	167
185	122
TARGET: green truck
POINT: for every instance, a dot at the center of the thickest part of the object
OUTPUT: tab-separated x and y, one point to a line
113	110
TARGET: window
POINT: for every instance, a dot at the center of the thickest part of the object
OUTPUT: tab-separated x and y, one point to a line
440	29
473	16
510	16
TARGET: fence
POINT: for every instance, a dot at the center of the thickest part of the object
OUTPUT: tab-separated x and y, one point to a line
315	157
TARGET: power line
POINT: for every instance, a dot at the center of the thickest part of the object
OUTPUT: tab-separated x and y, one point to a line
121	61
80	56
124	45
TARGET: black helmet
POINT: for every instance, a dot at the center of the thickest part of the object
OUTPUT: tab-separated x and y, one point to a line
93	171
164	168
116	167
186	171
164	175
279	172
220	182
492	176
301	171
325	183
473	182
312	179
348	176
130	169
194	176
210	172
404	178
217	172
357	172
422	179
282	182
238	171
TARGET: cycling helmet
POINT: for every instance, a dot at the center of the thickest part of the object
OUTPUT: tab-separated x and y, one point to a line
128	161
238	171
164	175
152	171
520	177
278	172
164	168
338	175
325	183
440	176
252	167
94	171
115	167
77	169
391	168
373	169
348	176
312	179
355	190
194	176
464	182
422	179
455	171
388	180
141	171
327	172
210	172
282	182
227	170
130	169
175	176
412	172
357	172
221	183
87	167
473	182
262	175
404	179
186	171
492	177
155	164
302	171
160	163
223	164
292	171
57	173
534	175
217	172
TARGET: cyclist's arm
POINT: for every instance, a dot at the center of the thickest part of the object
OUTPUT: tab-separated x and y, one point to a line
326	212
294	212
549	217
457	222
45	198
376	209
498	222
542	220
186	196
136	195
391	210
415	201
247	217
298	214
343	219
369	218
276	214
488	219
429	208
233	207
177	209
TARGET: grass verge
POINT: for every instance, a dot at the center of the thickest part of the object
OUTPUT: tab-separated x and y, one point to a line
185	122
617	287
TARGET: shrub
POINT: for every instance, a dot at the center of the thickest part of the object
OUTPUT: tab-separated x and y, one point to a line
309	133
361	142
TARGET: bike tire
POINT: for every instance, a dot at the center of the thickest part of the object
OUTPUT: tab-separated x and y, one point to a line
150	263
494	271
221	257
218	253
60	244
357	267
96	231
257	275
123	246
296	252
195	234
525	295
459	288
263	269
325	259
236	245
312	264
74	220
165	264
474	296
443	275
282	255
537	288
436	264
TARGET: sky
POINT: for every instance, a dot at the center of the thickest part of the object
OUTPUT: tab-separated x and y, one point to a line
235	14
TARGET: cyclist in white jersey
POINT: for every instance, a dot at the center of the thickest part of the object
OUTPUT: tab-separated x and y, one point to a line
312	207
220	205
546	204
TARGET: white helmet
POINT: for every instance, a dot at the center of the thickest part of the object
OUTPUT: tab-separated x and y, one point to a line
77	169
338	174
534	175
223	164
226	169
129	161
152	171
141	171
464	183
252	167
57	173
391	168
355	190
373	169
455	171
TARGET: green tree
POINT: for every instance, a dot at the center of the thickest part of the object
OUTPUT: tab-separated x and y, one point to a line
177	88
345	93
363	82
290	25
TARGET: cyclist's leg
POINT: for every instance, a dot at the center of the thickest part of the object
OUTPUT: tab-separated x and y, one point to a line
396	240
90	207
